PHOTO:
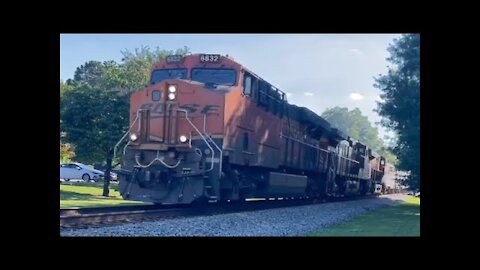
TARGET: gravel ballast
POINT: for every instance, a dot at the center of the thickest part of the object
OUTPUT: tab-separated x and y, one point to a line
291	221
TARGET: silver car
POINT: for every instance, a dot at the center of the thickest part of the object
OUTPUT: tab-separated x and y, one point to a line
77	170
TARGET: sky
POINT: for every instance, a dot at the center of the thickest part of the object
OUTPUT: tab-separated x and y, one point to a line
318	71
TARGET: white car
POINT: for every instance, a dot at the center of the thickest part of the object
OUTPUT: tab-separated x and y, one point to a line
77	170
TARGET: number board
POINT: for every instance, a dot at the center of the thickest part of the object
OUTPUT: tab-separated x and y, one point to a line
174	58
211	58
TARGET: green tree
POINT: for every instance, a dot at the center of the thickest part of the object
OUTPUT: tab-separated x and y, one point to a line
357	126
90	73
401	107
64	87
94	111
94	120
67	152
354	124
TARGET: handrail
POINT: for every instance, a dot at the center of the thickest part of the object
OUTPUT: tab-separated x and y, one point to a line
216	146
201	135
221	156
159	159
311	145
123	137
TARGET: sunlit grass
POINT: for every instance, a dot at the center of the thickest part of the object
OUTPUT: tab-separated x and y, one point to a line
90	196
413	200
399	220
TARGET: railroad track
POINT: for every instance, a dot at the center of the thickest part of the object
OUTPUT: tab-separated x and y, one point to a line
102	216
105	216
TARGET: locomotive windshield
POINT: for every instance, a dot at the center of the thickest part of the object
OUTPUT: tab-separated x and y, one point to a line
164	74
214	75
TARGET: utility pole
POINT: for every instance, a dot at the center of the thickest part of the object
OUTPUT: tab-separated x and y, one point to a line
106	181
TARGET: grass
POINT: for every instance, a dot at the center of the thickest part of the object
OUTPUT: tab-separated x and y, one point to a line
398	220
90	195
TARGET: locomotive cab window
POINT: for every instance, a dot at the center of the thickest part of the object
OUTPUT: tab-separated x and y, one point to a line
165	74
215	76
247	86
250	85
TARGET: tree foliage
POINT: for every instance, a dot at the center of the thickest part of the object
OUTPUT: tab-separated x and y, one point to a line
94	106
90	73
94	120
64	87
354	124
401	107
357	126
67	152
130	75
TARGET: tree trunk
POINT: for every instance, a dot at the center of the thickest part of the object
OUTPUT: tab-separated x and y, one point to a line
106	182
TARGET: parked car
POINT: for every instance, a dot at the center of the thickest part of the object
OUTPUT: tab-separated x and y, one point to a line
414	193
77	170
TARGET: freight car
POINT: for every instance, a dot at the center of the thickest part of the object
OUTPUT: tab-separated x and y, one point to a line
207	128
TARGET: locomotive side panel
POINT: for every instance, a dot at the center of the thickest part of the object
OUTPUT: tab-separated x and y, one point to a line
252	134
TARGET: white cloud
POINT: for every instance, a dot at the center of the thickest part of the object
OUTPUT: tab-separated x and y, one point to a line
308	94
356	96
289	94
379	99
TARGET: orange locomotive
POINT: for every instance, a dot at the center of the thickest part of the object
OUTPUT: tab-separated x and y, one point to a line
209	129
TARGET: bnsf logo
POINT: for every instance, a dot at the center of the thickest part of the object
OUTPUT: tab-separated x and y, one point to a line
158	109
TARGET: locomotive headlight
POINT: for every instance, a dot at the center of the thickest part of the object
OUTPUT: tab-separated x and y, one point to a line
183	139
133	137
171	96
172	89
